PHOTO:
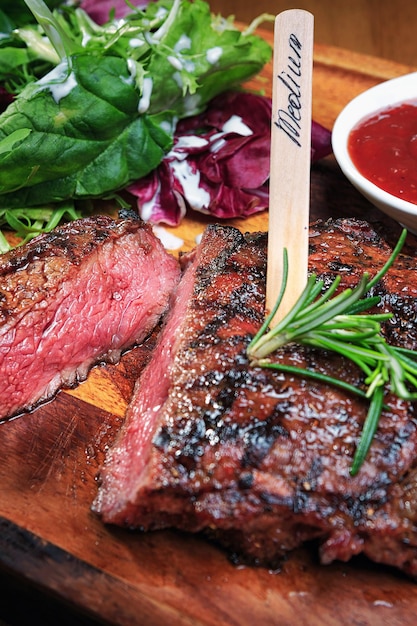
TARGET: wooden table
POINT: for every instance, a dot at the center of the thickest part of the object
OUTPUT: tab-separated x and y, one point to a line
376	27
49	537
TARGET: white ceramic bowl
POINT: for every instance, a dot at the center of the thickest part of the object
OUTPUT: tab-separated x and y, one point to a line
388	93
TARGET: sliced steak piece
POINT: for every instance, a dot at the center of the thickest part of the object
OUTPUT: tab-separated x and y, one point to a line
257	460
76	296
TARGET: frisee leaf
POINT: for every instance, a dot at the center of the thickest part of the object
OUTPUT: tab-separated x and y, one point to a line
339	323
63	44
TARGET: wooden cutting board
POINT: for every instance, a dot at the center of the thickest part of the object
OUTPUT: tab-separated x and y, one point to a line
50	459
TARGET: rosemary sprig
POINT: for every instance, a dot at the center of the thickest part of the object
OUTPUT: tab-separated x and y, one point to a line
339	323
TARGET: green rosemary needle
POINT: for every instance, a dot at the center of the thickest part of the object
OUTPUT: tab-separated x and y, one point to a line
339	322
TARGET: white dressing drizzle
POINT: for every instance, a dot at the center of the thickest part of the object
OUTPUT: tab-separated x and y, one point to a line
217	145
85	38
131	66
175	62
235	124
178	79
214	54
145	99
191	103
136	42
168	126
161	13
183	43
168	240
195	195
59	81
189	66
188	141
146	208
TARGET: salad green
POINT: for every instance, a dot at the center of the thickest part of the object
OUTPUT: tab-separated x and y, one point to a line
106	112
24	53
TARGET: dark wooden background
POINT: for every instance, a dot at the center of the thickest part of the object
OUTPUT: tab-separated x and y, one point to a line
381	28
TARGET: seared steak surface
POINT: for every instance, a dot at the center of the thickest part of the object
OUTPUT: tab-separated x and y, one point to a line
76	296
258	460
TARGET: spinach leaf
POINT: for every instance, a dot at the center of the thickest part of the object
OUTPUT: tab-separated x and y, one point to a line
87	143
11	59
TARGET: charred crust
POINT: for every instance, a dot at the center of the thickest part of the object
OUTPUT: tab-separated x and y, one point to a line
261	460
72	242
338	267
246	480
129	214
258	438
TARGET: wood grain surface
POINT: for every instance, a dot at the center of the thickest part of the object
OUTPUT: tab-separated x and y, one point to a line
50	458
381	28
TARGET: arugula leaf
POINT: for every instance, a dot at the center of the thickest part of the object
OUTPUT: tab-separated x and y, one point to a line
86	144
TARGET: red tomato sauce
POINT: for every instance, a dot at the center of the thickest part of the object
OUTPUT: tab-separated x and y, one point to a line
384	149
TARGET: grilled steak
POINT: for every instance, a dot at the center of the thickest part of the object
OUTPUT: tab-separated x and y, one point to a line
76	296
259	461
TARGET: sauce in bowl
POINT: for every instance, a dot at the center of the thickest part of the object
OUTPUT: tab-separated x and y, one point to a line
383	147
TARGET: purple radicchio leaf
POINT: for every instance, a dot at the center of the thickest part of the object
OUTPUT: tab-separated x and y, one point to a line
320	142
100	11
5	99
219	163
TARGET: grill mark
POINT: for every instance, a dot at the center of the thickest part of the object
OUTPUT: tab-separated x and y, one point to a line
261	460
